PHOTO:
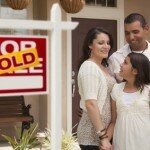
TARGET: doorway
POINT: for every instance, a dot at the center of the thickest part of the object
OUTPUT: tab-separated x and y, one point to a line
78	36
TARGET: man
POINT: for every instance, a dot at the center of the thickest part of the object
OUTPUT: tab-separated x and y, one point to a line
136	29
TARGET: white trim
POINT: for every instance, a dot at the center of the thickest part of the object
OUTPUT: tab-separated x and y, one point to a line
69	82
26	36
93	12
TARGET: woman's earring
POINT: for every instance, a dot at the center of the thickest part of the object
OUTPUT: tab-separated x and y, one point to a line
89	52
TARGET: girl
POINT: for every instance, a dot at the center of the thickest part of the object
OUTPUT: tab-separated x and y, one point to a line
95	85
130	105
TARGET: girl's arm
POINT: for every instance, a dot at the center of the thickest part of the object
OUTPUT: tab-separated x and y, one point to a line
110	129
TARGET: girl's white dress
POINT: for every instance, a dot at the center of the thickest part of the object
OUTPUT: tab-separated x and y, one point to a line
132	128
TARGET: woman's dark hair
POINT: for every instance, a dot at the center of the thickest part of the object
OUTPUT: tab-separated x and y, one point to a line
142	64
91	35
135	17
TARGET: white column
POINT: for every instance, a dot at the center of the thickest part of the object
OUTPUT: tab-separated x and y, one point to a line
56	75
56	82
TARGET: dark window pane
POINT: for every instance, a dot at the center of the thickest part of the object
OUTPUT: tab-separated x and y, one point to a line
112	3
105	3
102	2
89	2
3	3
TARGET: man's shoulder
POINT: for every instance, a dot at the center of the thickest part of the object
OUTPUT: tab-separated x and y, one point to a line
148	42
123	51
147	51
148	47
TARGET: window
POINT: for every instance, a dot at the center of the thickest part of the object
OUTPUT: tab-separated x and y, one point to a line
104	3
8	13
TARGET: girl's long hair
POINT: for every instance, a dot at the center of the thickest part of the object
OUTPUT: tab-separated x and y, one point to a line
142	64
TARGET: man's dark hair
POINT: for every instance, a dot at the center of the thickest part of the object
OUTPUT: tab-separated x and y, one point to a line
135	17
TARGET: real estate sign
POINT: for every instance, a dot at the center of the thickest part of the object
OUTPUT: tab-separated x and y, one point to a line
23	65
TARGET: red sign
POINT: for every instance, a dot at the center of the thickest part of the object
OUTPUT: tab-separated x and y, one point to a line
23	65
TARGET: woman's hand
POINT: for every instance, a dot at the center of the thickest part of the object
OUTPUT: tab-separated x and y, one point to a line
105	144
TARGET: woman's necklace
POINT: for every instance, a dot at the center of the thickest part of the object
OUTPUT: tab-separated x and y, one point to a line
104	69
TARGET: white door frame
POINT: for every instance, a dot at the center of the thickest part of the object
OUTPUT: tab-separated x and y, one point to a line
92	12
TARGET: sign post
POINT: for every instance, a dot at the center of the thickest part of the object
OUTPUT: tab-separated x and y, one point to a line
56	26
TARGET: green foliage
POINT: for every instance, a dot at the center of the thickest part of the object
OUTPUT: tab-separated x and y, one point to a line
31	140
28	140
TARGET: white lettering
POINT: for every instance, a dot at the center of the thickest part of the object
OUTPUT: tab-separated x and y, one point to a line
4	45
27	44
23	45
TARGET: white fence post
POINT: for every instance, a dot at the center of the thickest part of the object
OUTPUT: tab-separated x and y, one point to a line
56	82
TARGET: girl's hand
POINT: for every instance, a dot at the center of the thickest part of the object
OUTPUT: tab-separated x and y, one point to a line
105	144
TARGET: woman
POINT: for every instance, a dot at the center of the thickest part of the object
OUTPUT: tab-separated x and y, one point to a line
95	84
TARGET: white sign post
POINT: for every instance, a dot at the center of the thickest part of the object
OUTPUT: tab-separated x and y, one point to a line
56	26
